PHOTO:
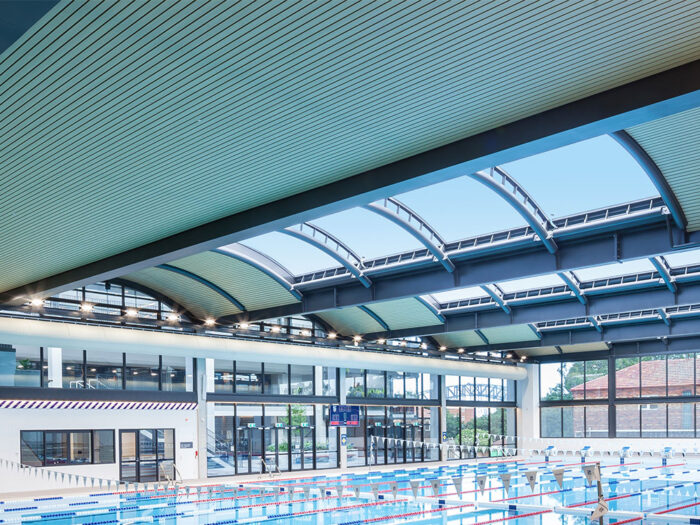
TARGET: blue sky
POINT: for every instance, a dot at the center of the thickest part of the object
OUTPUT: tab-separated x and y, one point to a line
590	174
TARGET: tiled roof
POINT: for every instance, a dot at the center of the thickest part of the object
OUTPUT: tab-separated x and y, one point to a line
680	373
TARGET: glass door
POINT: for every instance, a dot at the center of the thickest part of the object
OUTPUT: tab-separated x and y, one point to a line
277	436
249	439
147	454
128	460
376	426
303	444
396	432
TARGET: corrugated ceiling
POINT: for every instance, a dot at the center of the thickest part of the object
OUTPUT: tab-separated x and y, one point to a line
122	123
674	145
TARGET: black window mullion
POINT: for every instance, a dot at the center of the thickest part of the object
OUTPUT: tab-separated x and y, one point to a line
123	370
262	375
234	376
160	373
364	382
41	367
84	374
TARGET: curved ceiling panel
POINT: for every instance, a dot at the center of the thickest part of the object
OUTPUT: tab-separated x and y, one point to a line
199	299
217	108
351	321
673	143
405	313
462	339
247	284
509	334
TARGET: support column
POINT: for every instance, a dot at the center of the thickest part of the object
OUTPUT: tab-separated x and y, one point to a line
54	361
203	416
343	456
442	413
528	416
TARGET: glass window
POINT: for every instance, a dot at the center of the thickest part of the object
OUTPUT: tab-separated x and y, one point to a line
596	421
354	382
395	384
72	368
276	379
452	387
142	372
147	444
627	420
223	376
482	426
20	365
375	383
681	380
32	448
302	380
356	441
509	428
496	389
412	382
248	377
467	388
103	446
329	381
653	370
103	370
550	382
80	448
481	388
627	378
429	386
174	374
56	447
567	418
468	421
653	420
166	443
596	380
551	421
573	379
681	419
452	424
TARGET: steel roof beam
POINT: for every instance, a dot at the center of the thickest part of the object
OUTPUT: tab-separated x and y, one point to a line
664	270
331	246
655	175
533	313
640	101
482	336
497	295
573	284
595	323
223	293
262	262
600	249
498	181
407	219
664	316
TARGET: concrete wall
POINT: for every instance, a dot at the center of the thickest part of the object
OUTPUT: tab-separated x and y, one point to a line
14	420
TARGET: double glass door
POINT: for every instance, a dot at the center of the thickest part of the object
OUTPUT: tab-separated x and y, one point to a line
147	455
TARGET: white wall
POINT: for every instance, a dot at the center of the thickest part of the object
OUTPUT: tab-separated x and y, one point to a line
14	420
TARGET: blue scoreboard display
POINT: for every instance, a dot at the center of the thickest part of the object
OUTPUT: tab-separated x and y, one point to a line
345	416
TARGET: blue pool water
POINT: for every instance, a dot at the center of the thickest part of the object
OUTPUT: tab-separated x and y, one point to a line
639	486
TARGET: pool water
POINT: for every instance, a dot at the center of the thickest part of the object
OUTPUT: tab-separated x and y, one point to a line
639	486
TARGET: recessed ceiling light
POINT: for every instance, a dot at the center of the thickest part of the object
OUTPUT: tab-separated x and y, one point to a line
173	317
332	335
381	341
209	322
460	350
357	338
86	307
131	312
275	329
443	348
37	302
244	326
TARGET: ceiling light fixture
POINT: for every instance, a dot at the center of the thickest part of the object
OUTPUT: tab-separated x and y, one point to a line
460	350
306	333
275	329
244	326
357	338
86	307
443	348
381	341
131	312
209	322
37	302
332	335
173	317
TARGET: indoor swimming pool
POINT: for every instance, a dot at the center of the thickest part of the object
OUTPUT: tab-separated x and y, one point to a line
461	493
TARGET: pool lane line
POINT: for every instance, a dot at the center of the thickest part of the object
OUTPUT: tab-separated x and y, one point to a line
653	515
407	514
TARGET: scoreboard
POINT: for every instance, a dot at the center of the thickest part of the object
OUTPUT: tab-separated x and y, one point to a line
345	416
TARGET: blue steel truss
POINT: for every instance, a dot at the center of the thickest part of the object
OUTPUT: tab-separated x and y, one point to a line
374	316
497	180
223	293
664	272
497	295
573	284
407	219
332	246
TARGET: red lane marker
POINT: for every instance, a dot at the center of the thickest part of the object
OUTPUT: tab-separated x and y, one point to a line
415	513
529	495
678	508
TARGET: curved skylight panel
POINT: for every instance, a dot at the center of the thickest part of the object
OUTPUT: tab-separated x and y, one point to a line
530	283
459	294
368	234
686	258
612	270
295	255
462	208
591	174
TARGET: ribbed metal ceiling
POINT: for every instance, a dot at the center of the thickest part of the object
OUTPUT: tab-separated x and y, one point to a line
404	313
250	286
196	297
674	145
125	122
351	321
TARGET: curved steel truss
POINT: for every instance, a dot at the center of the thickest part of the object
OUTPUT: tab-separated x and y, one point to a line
374	316
263	263
407	219
223	293
332	246
573	284
497	295
497	180
664	270
657	178
433	305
